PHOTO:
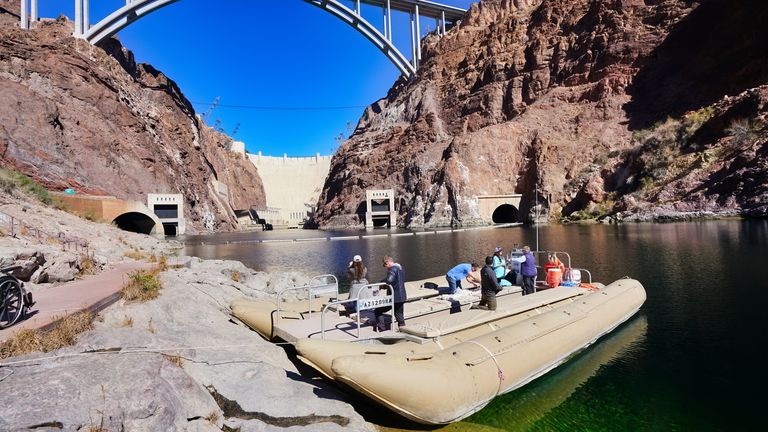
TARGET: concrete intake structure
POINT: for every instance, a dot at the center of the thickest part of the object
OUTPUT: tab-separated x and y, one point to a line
380	208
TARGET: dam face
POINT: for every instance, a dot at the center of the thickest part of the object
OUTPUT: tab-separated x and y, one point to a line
292	186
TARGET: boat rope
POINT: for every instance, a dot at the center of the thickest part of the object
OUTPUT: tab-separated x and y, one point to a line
136	350
498	366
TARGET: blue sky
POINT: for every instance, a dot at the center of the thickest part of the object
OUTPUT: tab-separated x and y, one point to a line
266	53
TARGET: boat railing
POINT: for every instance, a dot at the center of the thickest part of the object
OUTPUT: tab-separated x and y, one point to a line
583	270
374	301
318	285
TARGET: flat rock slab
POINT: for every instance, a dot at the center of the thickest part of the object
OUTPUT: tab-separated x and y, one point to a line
136	392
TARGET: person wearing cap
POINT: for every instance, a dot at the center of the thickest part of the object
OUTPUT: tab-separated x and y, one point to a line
357	270
357	274
500	267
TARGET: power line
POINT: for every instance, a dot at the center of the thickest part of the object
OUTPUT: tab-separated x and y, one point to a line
283	108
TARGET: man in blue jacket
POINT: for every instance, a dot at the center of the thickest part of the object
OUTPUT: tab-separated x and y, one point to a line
528	269
396	279
456	274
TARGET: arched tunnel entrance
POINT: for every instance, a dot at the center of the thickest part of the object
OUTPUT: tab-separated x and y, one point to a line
135	222
505	213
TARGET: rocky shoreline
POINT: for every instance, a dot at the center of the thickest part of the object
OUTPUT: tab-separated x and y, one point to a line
179	362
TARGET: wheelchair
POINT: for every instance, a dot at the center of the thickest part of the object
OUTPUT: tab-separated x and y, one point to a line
15	300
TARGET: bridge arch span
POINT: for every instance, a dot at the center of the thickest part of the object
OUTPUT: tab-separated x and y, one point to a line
136	9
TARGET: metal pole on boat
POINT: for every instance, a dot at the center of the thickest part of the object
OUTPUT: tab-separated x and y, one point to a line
536	222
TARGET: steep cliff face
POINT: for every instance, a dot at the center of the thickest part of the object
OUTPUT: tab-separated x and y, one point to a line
557	95
90	118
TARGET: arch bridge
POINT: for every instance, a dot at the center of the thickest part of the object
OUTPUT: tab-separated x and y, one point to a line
445	16
499	208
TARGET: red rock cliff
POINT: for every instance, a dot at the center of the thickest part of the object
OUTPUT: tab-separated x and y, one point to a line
90	118
570	97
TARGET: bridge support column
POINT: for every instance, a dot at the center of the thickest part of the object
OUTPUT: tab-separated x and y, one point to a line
442	21
413	43
33	12
24	14
418	38
389	20
86	16
78	18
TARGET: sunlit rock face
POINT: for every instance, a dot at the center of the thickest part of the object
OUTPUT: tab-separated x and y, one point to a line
90	118
570	97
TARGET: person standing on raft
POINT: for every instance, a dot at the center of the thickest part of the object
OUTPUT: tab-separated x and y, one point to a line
554	269
357	274
528	269
396	279
489	287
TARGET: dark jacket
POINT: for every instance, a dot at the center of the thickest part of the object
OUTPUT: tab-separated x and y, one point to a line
489	283
396	279
528	267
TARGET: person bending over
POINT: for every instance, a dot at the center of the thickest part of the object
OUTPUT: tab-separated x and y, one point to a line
456	274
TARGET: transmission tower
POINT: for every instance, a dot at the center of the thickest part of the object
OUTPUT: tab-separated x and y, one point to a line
235	130
210	109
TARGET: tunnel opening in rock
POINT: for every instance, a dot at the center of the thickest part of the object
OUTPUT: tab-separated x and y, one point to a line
135	222
505	213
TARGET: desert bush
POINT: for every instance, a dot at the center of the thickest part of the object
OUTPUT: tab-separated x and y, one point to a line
63	334
743	131
87	265
13	180
134	254
174	359
142	286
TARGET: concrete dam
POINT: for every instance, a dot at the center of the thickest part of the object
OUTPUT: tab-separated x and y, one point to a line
292	186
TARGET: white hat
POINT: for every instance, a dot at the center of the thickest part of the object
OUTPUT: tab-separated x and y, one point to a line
357	258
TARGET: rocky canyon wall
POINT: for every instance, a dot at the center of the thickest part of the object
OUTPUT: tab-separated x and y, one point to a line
614	107
90	118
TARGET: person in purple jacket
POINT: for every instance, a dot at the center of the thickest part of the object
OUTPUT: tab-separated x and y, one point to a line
528	270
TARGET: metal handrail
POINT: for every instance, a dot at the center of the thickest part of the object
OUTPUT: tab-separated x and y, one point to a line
583	270
373	305
309	288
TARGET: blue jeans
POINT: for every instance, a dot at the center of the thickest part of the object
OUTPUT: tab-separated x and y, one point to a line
453	284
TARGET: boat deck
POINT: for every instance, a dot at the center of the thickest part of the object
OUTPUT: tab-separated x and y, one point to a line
425	318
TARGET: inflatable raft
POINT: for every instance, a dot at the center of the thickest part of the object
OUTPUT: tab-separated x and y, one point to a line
292	320
442	368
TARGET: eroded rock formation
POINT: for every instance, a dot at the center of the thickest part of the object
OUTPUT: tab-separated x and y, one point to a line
91	118
566	97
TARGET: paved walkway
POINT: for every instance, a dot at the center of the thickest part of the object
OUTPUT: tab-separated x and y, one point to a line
92	293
